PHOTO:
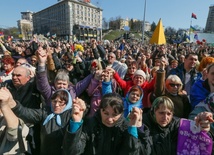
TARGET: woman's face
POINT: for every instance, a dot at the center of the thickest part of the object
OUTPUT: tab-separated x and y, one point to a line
7	67
173	87
134	96
109	117
132	69
58	105
163	115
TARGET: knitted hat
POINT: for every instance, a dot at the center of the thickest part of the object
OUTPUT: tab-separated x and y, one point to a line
140	73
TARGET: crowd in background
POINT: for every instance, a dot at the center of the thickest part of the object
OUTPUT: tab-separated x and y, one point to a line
104	97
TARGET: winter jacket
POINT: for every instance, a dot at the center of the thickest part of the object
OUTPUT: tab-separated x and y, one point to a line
201	107
51	132
94	138
28	94
164	139
47	90
95	92
200	90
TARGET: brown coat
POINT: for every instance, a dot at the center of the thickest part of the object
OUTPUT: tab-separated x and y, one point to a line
181	102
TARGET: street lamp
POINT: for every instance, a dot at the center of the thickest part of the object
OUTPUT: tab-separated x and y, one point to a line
144	16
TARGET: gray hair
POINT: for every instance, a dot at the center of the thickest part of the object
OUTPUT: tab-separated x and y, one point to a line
63	76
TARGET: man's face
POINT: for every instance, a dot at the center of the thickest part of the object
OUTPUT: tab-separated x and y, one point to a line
20	76
190	62
20	61
111	59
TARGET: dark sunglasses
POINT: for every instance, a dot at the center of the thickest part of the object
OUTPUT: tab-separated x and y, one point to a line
173	85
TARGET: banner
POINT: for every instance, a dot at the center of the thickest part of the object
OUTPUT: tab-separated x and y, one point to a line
192	140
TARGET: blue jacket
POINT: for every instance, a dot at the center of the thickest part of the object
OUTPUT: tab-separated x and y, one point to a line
198	93
180	72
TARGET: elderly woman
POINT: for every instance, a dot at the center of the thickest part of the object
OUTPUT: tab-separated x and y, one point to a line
164	128
53	120
8	65
61	80
106	132
171	87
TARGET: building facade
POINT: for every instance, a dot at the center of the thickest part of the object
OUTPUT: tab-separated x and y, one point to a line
70	20
25	25
210	20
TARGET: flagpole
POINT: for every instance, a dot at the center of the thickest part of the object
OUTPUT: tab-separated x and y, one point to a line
143	28
190	28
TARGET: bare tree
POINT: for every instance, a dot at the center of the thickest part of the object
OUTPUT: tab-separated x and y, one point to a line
26	30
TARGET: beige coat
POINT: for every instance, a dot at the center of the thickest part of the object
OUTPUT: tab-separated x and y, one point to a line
9	144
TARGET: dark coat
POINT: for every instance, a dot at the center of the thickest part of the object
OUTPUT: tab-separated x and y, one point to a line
93	138
27	95
164	138
51	134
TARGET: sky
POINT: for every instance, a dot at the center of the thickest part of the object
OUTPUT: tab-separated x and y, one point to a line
174	13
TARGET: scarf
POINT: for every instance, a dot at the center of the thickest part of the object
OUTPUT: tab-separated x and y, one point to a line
58	117
128	105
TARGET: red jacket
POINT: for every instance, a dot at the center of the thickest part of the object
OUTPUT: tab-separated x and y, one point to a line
126	85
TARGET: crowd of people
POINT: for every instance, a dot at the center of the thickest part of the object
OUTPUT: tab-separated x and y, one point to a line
116	97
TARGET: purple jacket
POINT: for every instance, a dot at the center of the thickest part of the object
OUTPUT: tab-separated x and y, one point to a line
47	90
94	91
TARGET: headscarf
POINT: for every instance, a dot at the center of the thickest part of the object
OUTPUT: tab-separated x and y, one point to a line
128	105
58	118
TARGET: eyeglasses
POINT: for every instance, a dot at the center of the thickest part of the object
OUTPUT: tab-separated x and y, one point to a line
60	103
173	85
33	60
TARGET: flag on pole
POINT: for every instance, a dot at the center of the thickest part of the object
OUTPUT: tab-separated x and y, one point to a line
192	29
194	16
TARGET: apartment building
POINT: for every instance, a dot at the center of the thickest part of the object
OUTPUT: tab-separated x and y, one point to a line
70	19
210	20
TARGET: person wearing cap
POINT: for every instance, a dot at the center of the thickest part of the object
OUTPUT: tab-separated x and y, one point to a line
139	79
